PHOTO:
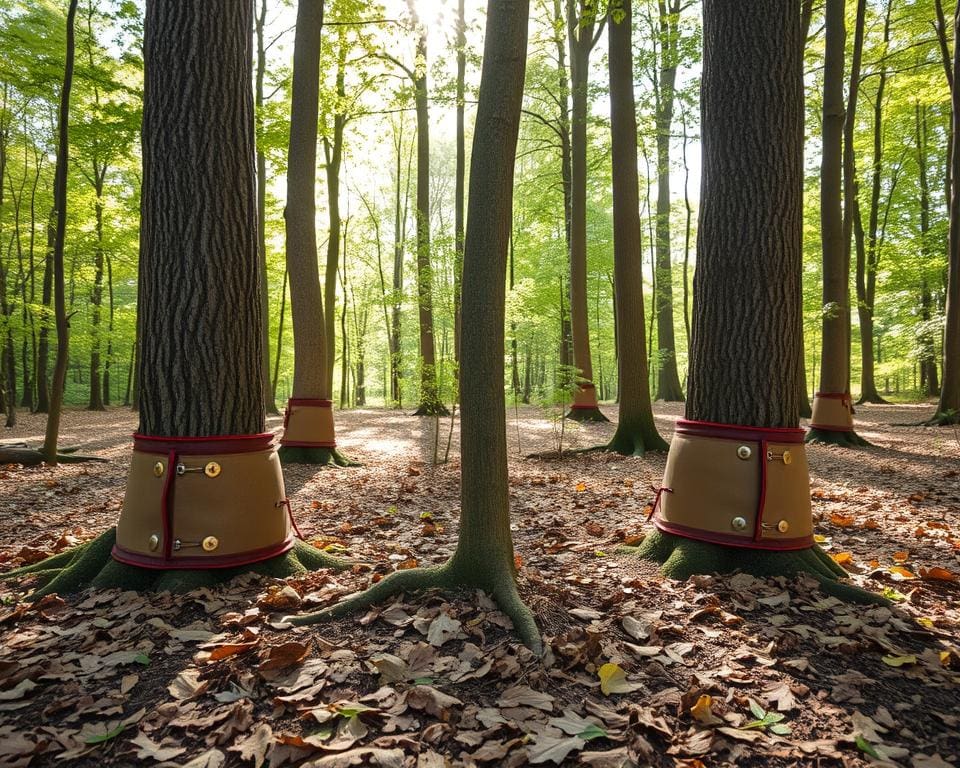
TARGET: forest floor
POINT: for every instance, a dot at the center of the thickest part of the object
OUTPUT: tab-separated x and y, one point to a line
729	670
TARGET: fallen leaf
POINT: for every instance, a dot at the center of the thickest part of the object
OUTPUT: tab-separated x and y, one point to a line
254	747
187	685
553	749
525	696
702	712
283	656
442	629
899	661
614	680
149	749
938	574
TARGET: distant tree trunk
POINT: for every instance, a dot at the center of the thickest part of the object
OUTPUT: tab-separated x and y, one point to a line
43	338
868	254
928	359
686	235
269	391
108	360
668	387
283	313
96	296
581	37
948	409
333	156
60	204
458	225
832	407
636	432
429	394
399	236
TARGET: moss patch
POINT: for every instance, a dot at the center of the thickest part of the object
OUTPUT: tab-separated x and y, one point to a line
830	437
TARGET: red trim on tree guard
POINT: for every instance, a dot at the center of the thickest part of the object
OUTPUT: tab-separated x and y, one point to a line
587	385
308	444
200	563
316	402
576	407
200	446
730	540
835	395
739	431
833	428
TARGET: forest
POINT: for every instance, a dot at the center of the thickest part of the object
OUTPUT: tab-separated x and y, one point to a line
423	383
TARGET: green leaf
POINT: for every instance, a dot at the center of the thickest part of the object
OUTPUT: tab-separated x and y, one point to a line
102	737
865	746
592	732
892	594
780	729
758	711
142	658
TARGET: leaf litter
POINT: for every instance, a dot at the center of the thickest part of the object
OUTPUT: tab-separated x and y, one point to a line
639	670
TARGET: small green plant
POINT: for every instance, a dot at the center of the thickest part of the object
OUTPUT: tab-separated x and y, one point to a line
556	400
766	721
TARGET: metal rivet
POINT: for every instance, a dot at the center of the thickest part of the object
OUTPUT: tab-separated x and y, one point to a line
158	469
783	526
212	469
738	523
154	542
210	543
787	458
744	452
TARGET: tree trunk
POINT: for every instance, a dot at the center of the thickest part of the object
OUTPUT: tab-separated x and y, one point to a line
668	387
60	204
96	296
636	431
269	392
43	338
333	155
429	395
580	34
948	409
458	225
566	173
108	360
868	256
928	358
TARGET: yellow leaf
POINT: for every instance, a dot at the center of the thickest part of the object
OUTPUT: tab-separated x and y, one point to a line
899	661
614	680
901	557
925	621
701	711
842	558
819	538
945	658
581	487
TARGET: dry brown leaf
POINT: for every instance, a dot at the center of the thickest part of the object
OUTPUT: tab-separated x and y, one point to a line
283	656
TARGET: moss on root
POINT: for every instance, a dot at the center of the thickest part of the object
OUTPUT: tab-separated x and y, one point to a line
587	414
942	419
90	565
432	409
449	576
322	457
633	442
681	558
831	437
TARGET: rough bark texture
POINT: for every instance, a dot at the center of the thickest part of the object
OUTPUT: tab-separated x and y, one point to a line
458	211
636	431
484	555
746	324
745	347
199	269
668	383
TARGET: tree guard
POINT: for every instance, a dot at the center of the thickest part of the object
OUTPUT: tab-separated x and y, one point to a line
738	486
832	412
199	503
585	397
308	423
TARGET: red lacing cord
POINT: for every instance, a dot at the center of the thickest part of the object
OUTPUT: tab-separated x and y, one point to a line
656	500
286	502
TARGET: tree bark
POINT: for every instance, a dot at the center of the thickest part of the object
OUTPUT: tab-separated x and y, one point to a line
306	301
749	238
458	202
200	356
636	431
668	386
60	204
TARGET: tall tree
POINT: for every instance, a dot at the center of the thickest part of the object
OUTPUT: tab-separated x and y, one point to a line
636	431
710	515
832	420
458	225
583	31
484	554
668	383
308	425
948	408
202	402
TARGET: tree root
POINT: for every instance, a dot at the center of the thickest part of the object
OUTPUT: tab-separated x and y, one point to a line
320	456
681	558
91	565
29	457
587	414
940	419
633	442
832	437
503	590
